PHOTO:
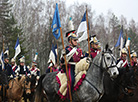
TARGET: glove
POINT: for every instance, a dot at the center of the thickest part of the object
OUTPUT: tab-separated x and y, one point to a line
119	64
11	76
63	52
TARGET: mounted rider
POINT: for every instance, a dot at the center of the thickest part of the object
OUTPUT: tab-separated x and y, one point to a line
34	70
134	59
7	67
13	64
22	68
73	53
95	48
122	61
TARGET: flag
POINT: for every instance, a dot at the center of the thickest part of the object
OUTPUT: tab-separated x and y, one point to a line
82	28
120	39
2	59
127	43
53	55
17	48
7	51
71	26
56	23
36	55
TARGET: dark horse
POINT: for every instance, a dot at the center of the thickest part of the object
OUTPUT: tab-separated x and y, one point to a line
3	78
134	96
3	83
91	89
118	89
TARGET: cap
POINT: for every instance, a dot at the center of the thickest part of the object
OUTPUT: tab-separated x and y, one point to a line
6	56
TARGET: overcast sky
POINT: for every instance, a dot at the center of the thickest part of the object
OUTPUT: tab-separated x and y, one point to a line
127	8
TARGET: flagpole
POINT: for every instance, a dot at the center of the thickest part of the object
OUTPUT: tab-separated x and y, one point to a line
129	51
3	43
57	53
66	66
88	31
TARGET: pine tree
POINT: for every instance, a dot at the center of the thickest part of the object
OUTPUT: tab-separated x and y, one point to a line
9	30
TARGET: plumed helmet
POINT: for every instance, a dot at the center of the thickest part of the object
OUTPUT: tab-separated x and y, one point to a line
12	60
71	35
22	59
134	54
124	51
93	40
99	47
34	63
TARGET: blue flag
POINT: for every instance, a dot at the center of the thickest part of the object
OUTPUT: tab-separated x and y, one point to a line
56	23
120	37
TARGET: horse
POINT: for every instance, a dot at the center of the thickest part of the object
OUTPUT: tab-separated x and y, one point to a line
91	89
3	78
30	96
3	83
16	88
117	89
133	97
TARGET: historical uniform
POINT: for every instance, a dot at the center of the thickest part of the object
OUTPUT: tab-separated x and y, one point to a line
13	64
7	67
122	61
94	47
22	68
74	54
134	59
34	70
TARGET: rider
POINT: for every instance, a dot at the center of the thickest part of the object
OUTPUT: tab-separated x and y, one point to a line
134	59
73	54
34	70
122	62
9	72
13	64
7	67
94	47
22	68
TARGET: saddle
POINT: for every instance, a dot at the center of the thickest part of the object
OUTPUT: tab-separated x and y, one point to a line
80	72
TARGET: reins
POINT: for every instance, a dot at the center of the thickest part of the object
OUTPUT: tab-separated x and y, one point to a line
101	67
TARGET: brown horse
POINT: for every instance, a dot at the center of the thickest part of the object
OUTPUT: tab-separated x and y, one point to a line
16	88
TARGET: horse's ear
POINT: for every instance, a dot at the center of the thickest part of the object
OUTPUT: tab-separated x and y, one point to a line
106	47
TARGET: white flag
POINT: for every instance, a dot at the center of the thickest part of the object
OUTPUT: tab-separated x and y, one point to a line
17	48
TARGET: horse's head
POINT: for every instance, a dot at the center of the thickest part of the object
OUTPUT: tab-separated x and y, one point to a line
108	62
3	78
27	85
33	82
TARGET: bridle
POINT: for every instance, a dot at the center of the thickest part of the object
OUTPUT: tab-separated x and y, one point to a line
104	69
103	59
25	83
